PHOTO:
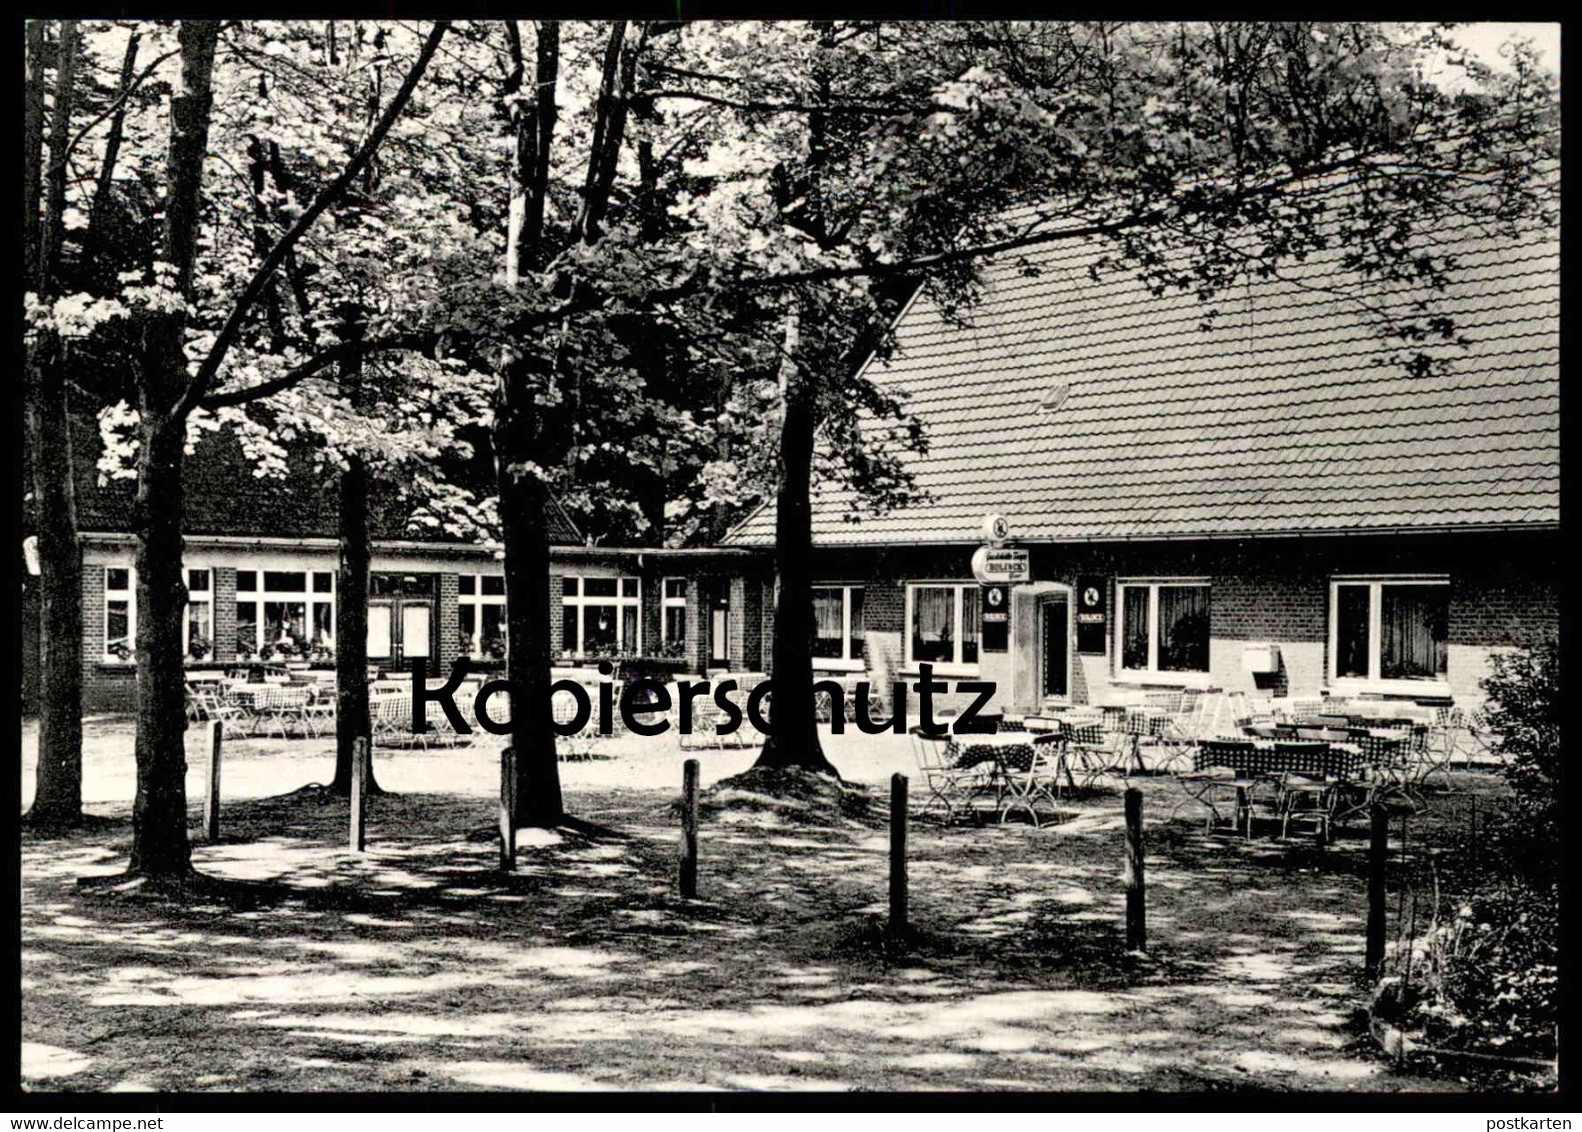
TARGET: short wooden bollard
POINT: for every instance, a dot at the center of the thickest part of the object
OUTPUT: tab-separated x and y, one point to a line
689	830
898	786
359	791
1136	890
508	809
1378	847
211	800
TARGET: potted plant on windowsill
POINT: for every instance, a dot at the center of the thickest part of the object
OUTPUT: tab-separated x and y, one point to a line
199	647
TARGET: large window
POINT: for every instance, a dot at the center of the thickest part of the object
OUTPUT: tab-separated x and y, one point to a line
120	614
1383	629
675	615
480	609
282	614
942	624
600	616
120	620
837	624
1163	626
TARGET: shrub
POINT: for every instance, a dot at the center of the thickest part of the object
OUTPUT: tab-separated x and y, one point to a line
1524	710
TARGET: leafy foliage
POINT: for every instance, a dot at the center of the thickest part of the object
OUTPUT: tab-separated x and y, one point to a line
1524	709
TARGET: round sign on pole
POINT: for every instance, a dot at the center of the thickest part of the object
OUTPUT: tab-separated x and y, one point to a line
995	528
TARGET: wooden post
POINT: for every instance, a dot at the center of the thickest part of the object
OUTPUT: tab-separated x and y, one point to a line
897	924
1378	846
689	830
508	808
1136	892
359	781
211	800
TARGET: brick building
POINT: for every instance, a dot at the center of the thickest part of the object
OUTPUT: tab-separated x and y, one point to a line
1265	503
261	559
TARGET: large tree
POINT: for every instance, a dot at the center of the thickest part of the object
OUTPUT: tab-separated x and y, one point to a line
187	325
1200	156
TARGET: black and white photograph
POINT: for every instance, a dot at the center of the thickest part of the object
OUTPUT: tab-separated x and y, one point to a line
790	557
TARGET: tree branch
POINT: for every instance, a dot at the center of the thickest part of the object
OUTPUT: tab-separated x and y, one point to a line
332	192
330	355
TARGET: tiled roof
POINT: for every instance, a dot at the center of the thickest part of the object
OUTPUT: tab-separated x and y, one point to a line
1281	418
224	497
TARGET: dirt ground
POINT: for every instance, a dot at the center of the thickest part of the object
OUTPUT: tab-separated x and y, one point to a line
418	965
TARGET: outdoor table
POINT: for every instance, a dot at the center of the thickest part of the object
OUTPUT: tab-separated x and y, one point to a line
1011	757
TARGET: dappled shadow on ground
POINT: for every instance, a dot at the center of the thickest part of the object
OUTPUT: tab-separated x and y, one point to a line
420	965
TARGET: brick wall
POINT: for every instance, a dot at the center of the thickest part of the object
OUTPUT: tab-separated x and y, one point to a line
557	617
105	686
448	619
224	582
1504	594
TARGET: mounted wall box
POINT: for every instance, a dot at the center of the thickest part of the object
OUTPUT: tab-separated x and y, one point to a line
1260	657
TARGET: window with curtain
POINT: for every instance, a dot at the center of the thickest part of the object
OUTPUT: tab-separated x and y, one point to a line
837	623
1164	627
943	627
1390	629
200	614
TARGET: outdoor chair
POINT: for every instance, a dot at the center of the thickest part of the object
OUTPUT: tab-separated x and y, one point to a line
392	722
1085	751
281	708
236	720
1163	701
951	787
1218	777
1031	775
195	705
1305	792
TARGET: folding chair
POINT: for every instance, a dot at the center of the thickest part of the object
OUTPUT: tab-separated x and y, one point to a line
1031	775
1218	775
236	721
950	786
1085	751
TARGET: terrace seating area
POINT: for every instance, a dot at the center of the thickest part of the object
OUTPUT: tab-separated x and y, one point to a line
1307	764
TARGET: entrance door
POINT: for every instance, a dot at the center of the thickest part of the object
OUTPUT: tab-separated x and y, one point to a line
400	618
1055	646
400	630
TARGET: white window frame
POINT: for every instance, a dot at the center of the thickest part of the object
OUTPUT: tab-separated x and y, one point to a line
128	595
845	662
1152	674
201	597
307	596
667	603
956	666
1373	682
477	600
620	601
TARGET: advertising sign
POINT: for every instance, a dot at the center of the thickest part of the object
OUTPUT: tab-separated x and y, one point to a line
994	564
1091	591
996	608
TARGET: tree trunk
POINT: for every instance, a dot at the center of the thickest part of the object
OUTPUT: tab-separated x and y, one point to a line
795	742
160	849
57	798
351	630
524	526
